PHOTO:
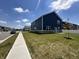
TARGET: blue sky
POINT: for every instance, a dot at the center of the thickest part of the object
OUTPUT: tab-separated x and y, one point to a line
18	13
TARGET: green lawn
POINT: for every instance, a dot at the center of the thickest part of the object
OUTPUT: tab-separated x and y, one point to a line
6	46
52	46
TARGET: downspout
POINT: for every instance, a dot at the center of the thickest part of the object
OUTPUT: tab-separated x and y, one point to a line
42	23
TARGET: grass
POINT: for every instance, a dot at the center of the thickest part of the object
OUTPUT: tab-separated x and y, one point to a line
52	46
6	46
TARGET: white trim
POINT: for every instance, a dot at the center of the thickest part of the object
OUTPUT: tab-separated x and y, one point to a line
42	23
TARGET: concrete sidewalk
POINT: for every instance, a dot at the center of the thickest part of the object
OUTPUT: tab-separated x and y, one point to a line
19	49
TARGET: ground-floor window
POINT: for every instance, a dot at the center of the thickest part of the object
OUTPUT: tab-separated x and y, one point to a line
35	28
48	28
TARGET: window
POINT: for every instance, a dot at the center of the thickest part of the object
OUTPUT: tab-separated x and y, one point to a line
58	21
58	28
48	27
55	29
35	28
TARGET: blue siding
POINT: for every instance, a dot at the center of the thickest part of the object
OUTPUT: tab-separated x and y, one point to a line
51	21
37	24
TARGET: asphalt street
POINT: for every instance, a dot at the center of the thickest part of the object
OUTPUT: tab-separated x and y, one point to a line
3	35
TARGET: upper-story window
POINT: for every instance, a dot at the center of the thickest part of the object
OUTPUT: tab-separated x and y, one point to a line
58	21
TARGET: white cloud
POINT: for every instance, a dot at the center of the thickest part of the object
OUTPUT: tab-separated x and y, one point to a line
38	3
3	22
27	10
21	10
25	20
18	21
19	26
28	24
62	4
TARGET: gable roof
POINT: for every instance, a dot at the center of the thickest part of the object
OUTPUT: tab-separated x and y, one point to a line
54	13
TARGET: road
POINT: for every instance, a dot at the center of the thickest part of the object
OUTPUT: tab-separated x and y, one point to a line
3	35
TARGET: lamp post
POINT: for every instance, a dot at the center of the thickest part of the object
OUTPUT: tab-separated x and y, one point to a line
68	35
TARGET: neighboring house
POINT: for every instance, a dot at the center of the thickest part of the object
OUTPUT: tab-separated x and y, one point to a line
47	23
0	28
70	26
26	28
75	27
3	28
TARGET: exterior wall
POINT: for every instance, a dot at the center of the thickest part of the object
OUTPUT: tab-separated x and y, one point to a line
51	22
37	25
2	28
